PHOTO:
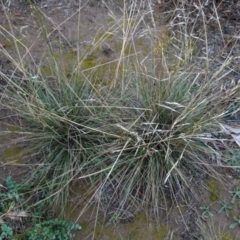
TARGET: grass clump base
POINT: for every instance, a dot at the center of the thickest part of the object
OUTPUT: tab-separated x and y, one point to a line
212	231
141	145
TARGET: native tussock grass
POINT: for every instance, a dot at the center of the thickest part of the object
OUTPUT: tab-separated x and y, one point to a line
137	139
213	231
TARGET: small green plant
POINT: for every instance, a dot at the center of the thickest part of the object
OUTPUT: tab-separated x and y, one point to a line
206	211
6	232
235	194
226	207
234	160
237	222
52	229
13	204
115	218
10	199
12	191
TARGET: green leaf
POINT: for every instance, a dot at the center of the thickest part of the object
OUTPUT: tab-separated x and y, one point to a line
233	225
210	214
6	231
220	210
235	218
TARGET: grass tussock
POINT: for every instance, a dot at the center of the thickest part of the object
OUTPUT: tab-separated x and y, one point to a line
214	231
137	141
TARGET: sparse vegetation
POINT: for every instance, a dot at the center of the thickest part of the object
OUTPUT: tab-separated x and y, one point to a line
213	231
237	222
140	133
235	194
206	211
16	212
226	207
234	160
52	229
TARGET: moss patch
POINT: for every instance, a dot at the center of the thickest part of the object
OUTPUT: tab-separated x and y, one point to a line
13	129
13	153
227	236
104	35
161	232
89	62
213	189
11	43
127	48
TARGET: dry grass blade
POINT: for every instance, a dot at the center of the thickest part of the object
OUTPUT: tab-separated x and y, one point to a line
15	215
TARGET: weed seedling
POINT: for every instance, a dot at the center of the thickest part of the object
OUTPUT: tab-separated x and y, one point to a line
237	222
6	232
115	218
12	207
235	161
225	208
236	194
206	211
52	229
